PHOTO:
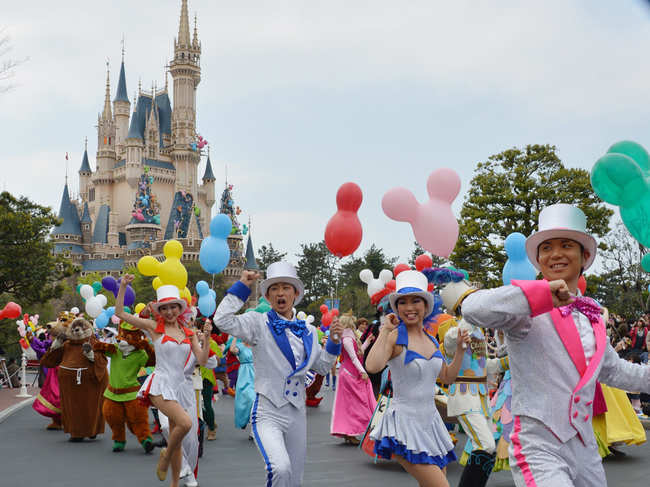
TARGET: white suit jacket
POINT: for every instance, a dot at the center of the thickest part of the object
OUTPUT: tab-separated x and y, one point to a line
277	376
551	380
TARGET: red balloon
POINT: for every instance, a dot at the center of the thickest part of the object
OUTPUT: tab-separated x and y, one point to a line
25	318
326	320
400	268
323	308
423	262
11	311
430	287
343	232
582	284
391	285
334	312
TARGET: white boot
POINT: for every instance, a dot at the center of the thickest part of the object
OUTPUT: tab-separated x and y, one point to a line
190	481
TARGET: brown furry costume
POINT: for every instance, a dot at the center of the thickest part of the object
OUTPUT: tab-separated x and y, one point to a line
82	378
121	407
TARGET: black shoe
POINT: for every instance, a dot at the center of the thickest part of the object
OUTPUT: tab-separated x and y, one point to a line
75	439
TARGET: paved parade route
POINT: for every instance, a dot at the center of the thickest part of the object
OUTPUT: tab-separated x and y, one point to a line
32	456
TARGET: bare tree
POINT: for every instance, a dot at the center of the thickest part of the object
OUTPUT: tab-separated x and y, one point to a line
7	65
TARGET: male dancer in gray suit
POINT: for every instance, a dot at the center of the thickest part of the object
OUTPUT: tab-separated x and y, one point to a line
558	349
284	349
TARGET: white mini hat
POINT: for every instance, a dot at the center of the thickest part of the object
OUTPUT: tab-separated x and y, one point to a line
411	283
561	221
168	294
283	272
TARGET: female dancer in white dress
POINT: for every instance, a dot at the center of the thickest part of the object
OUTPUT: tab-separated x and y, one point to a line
412	430
174	345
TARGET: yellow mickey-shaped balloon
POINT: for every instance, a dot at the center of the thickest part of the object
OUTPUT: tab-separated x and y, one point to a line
139	307
186	295
156	283
171	271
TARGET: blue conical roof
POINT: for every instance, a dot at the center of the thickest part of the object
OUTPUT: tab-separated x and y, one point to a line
85	217
251	262
121	87
85	166
209	175
68	213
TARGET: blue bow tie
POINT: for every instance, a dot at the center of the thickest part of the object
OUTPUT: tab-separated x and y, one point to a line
297	327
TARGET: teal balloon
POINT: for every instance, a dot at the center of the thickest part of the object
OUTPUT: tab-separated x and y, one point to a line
262	307
517	266
79	288
645	262
97	286
634	151
618	180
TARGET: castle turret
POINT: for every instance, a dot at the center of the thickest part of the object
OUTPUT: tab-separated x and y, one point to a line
152	129
86	225
122	108
103	177
208	185
185	69
84	174
134	149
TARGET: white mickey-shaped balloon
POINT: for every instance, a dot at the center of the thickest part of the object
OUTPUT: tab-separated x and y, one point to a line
95	304
375	285
309	320
87	292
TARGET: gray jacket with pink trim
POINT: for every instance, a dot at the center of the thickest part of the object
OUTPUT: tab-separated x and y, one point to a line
551	379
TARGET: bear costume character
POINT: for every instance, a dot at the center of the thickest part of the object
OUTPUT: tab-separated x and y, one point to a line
121	406
82	378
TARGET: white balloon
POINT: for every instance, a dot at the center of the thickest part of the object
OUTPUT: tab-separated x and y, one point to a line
87	292
375	285
74	311
93	307
366	276
102	299
301	315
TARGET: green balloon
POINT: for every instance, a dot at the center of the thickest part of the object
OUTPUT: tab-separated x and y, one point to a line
645	262
97	286
79	288
634	151
618	180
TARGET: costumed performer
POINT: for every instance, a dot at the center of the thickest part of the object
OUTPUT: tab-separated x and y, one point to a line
355	402
83	378
245	388
557	344
121	407
174	344
190	401
412	430
284	349
48	401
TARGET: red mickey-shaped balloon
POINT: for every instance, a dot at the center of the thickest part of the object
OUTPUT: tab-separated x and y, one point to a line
582	284
343	232
391	285
423	262
401	268
11	311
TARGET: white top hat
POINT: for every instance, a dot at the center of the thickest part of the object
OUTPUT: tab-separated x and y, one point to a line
283	272
168	294
412	283
561	221
453	293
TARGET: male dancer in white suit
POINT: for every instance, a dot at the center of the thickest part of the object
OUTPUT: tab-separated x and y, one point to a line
558	349
284	349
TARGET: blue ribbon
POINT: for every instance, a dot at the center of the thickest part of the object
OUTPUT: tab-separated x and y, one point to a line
278	325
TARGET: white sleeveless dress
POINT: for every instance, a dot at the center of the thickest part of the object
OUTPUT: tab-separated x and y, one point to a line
411	426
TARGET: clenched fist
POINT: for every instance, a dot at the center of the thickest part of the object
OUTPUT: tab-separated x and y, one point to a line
560	293
248	278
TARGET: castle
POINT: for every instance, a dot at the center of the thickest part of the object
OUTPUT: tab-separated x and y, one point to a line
145	188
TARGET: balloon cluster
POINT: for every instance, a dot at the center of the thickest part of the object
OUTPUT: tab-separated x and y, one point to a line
110	284
28	322
328	316
170	271
343	232
375	285
94	302
433	223
621	178
146	208
308	319
199	144
214	254
11	311
207	299
518	265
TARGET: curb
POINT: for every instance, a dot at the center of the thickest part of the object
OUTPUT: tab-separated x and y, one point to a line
15	408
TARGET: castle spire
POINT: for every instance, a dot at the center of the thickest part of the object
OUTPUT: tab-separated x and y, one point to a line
184	26
85	166
121	94
107	113
195	39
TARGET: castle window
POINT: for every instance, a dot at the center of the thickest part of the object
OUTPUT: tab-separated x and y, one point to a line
91	194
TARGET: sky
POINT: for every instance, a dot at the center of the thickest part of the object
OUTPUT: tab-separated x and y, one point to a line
298	97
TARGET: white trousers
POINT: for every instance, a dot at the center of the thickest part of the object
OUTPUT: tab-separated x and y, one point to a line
539	459
281	437
477	429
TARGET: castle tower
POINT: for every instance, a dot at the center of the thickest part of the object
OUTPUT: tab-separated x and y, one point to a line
86	225
84	175
122	109
185	69
208	184
103	177
134	150
67	236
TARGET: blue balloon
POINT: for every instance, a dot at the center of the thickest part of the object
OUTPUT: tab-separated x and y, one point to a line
215	253
102	320
517	266
207	300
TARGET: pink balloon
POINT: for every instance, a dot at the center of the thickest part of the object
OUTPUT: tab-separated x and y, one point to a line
115	320
434	225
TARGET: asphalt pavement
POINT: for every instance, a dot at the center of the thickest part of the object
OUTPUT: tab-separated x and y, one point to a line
30	456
